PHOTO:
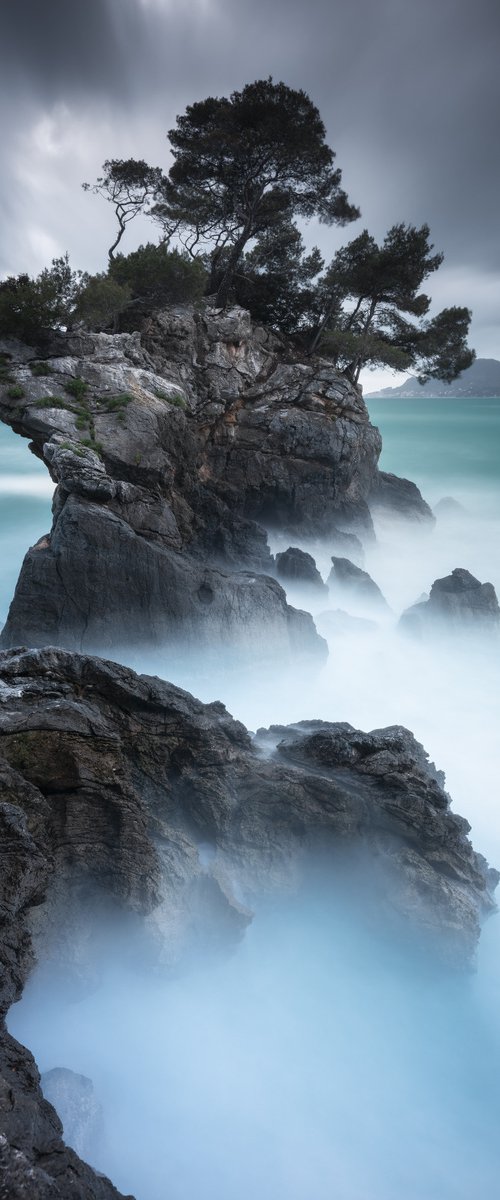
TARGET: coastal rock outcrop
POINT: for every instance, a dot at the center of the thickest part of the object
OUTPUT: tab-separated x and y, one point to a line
392	496
130	806
347	545
170	449
457	603
296	567
354	586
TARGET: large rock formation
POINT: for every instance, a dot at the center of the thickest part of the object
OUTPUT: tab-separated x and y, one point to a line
457	603
354	586
395	497
167	449
128	806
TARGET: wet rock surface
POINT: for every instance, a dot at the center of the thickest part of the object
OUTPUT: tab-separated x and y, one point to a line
126	798
170	448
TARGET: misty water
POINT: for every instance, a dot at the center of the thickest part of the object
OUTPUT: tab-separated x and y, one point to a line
315	1062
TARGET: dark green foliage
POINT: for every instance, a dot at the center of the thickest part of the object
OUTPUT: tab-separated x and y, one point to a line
76	387
50	402
157	275
15	392
31	308
91	444
116	403
6	375
129	185
373	310
275	281
243	166
40	368
101	301
177	400
442	352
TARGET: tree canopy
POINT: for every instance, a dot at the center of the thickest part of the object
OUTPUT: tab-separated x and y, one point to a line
31	308
244	166
129	185
374	311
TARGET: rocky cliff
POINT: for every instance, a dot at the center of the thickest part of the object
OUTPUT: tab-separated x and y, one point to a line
171	449
126	798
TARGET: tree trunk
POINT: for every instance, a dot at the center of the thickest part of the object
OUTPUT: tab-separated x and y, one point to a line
223	289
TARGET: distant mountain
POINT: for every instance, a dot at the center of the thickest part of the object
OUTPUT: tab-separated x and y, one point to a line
481	379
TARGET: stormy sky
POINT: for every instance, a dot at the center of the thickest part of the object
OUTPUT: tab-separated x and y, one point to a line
409	91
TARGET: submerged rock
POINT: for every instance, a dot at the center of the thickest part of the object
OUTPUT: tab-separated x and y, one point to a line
294	566
132	812
350	582
458	602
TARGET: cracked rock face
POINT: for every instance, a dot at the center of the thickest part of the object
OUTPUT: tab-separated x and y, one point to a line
168	448
125	797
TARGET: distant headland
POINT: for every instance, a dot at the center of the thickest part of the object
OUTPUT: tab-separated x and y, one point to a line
481	379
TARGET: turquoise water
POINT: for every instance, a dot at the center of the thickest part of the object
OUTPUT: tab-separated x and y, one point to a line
25	508
445	446
292	1073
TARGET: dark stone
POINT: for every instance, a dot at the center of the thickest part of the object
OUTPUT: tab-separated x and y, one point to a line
114	784
294	566
399	497
75	1102
457	602
201	430
351	583
347	545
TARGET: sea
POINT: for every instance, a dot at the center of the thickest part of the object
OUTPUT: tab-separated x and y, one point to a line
308	1066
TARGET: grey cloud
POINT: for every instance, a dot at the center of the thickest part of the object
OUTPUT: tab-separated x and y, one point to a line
409	93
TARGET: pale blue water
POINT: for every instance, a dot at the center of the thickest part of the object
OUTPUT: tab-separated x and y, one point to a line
25	508
299	1078
445	446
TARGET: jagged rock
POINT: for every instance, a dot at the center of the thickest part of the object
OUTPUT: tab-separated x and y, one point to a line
97	585
351	583
336	623
457	602
75	1102
347	545
294	566
399	497
179	440
116	784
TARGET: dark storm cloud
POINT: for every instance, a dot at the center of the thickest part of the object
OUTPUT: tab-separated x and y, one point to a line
409	93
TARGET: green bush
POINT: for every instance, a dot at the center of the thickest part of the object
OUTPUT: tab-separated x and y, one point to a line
50	402
101	301
116	403
31	308
160	276
40	368
76	387
16	392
